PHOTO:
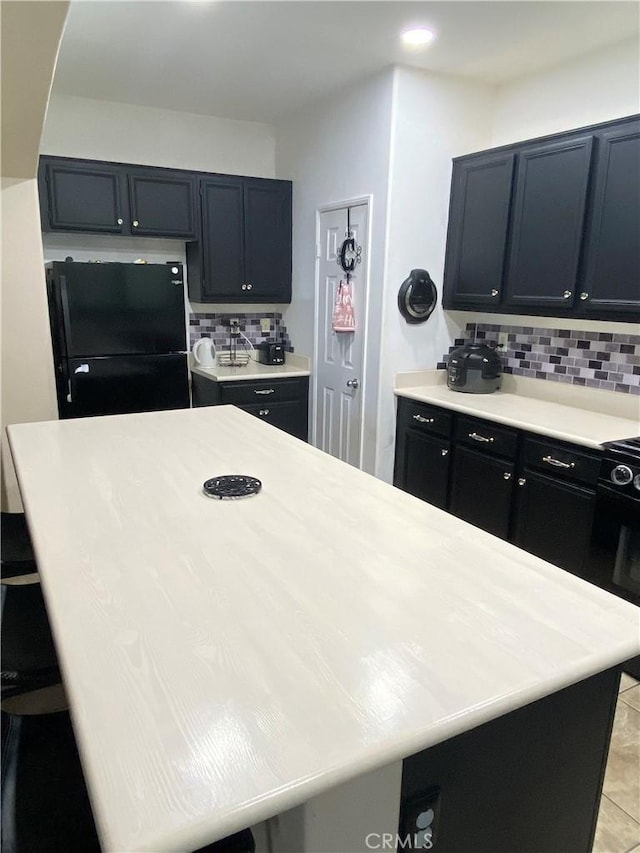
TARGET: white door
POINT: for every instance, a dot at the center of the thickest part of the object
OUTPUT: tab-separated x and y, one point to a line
339	368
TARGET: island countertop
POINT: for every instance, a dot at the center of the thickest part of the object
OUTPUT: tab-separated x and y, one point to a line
228	660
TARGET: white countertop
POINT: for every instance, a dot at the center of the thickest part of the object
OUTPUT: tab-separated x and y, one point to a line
295	365
575	420
228	660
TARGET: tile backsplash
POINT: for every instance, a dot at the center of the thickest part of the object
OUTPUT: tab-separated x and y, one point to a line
605	360
216	327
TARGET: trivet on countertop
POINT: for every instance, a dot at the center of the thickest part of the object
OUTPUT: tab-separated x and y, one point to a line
231	487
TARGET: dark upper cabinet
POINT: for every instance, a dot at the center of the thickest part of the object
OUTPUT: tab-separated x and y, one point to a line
245	251
546	510
611	272
481	490
267	238
548	221
570	244
477	235
162	203
79	196
216	263
86	196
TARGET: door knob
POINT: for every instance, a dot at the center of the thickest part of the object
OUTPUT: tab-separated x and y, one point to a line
495	292
584	295
566	294
135	223
119	221
353	383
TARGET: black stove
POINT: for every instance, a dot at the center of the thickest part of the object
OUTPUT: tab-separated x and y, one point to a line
620	471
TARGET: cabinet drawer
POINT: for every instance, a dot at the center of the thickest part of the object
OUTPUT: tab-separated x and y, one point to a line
566	463
266	391
425	418
485	435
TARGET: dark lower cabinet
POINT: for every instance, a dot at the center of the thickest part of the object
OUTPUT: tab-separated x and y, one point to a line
281	402
422	466
529	781
481	490
537	492
554	520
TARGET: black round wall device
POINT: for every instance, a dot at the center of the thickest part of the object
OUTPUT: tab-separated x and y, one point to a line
417	297
231	487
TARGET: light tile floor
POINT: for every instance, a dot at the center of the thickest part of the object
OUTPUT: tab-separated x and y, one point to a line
618	828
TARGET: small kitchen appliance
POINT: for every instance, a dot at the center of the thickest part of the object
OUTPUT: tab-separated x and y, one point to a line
475	369
270	353
204	353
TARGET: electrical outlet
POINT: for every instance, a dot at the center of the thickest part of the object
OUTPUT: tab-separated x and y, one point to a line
503	340
265	325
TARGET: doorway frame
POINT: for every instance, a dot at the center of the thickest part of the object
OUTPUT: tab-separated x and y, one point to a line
326	208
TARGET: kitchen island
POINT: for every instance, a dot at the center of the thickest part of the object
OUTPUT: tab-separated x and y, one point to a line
229	661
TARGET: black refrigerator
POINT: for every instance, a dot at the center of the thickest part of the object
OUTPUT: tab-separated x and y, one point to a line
119	337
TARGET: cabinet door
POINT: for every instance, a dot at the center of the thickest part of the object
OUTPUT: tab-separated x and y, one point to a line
612	261
222	244
79	196
162	203
554	520
267	240
481	490
290	417
548	221
477	236
422	466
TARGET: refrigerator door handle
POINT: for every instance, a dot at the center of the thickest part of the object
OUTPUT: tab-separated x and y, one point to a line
66	325
83	368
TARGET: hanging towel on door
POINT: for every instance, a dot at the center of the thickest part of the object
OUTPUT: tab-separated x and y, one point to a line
343	319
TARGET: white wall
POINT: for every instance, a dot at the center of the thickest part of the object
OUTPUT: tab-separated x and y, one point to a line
103	130
31	35
597	87
601	86
435	118
335	150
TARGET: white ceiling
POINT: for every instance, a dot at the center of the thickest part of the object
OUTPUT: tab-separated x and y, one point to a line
259	60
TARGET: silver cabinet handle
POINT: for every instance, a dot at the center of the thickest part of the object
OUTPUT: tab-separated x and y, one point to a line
584	295
557	463
265	391
135	223
506	476
353	383
69	397
249	286
521	481
444	452
422	420
495	292
567	294
476	437
264	411
119	221
244	286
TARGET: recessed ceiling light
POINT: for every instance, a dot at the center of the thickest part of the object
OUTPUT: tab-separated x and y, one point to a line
417	36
